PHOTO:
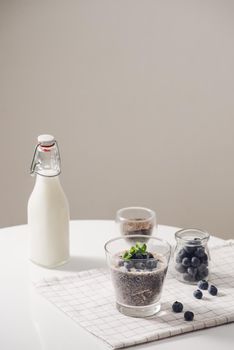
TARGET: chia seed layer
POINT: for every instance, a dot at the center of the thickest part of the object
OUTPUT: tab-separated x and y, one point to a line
139	288
137	227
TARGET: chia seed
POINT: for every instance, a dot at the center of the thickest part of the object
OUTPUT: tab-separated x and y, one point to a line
137	226
139	287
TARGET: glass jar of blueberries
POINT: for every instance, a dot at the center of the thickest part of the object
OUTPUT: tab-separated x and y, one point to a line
191	255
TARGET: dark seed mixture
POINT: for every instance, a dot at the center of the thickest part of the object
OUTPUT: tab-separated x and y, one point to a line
137	227
136	287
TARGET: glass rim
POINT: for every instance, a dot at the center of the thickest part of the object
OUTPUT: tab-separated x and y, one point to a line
120	217
178	234
137	236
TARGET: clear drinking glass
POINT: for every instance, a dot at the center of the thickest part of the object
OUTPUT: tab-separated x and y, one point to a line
138	281
191	255
135	221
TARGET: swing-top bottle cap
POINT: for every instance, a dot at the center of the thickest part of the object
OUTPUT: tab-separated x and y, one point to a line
46	158
46	140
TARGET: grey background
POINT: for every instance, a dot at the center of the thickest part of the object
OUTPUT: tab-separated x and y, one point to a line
139	95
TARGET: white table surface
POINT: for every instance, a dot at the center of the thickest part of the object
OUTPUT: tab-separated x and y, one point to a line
28	321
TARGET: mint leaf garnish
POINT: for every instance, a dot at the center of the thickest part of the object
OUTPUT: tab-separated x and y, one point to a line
138	248
125	255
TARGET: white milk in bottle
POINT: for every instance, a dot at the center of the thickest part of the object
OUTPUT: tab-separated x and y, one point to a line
48	211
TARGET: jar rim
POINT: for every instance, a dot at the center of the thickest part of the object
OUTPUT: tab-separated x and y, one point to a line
121	214
181	234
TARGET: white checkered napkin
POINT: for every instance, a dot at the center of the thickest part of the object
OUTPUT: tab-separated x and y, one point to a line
88	298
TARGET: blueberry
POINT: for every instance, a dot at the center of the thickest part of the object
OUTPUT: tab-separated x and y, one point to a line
202	268
128	264
149	256
139	265
188	315
177	307
182	253
121	263
204	259
192	271
203	274
138	256
188	278
151	264
186	262
195	262
200	252
178	258
203	284
212	290
198	294
198	277
180	268
190	250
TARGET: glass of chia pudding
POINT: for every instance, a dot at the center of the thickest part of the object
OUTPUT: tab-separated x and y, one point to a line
138	266
135	221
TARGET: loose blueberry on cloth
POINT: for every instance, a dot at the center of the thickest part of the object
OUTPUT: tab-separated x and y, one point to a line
198	294
212	290
177	307
188	315
203	285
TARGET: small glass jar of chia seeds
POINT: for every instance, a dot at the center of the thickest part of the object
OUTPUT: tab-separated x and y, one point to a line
191	255
136	221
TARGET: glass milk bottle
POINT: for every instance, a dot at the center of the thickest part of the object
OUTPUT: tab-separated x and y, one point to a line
48	211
